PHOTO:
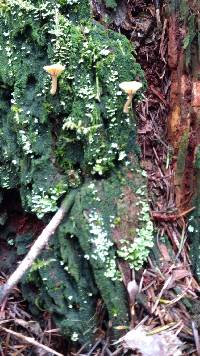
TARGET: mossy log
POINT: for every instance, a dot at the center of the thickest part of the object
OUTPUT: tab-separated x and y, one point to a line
80	138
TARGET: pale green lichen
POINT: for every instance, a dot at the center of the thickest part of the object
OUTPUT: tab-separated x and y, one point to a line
101	243
44	202
136	252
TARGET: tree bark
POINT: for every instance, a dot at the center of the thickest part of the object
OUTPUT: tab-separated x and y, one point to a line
184	116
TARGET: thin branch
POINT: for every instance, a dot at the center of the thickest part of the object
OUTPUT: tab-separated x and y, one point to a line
94	347
196	337
31	341
38	245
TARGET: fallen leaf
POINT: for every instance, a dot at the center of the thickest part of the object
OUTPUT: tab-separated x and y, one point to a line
160	344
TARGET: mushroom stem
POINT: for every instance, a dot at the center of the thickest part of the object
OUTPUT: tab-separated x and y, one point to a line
53	85
128	103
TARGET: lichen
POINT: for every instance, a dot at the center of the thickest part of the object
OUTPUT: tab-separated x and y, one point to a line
86	241
136	252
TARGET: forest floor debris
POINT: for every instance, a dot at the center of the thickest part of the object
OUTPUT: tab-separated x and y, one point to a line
20	335
168	295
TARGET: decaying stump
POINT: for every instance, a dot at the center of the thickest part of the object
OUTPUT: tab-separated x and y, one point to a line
79	137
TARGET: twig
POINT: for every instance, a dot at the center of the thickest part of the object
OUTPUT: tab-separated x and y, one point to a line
169	216
6	321
31	340
159	95
162	40
167	282
52	331
94	347
38	245
117	352
81	349
104	344
105	349
196	337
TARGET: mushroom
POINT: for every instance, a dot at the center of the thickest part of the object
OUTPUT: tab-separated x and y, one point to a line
54	70
130	88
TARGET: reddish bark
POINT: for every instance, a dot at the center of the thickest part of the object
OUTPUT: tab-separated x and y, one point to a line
183	122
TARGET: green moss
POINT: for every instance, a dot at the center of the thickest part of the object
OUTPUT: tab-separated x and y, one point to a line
100	223
112	4
78	138
85	116
78	11
189	16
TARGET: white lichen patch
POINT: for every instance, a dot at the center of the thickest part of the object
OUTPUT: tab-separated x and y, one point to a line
74	336
99	239
101	243
43	202
72	2
136	252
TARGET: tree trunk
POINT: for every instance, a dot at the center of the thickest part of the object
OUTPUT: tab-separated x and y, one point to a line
184	117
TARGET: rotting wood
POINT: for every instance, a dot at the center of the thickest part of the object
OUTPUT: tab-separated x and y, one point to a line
183	123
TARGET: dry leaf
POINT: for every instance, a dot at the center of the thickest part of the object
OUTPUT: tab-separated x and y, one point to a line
161	344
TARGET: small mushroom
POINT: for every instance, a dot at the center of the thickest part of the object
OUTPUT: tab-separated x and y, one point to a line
130	88
54	70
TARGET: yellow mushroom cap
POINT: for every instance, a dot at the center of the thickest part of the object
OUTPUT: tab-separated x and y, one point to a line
130	87
54	69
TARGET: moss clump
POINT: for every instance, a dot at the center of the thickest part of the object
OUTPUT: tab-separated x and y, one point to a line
188	14
78	138
112	4
91	239
81	130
